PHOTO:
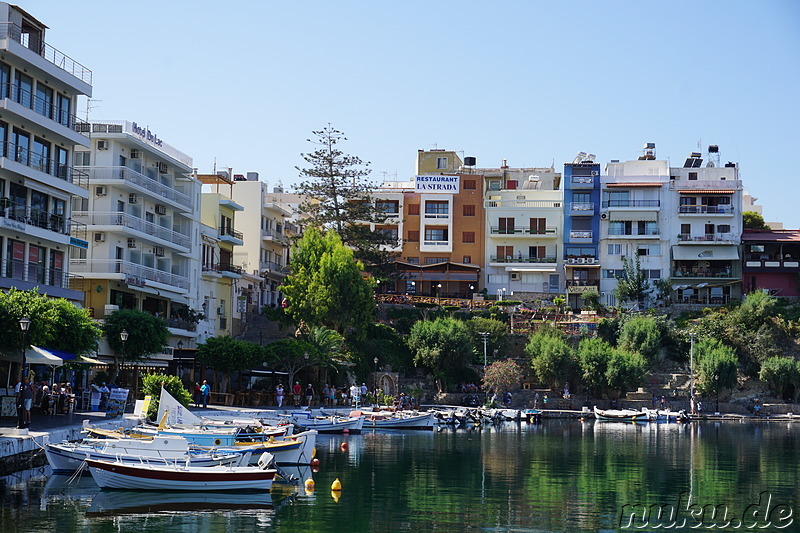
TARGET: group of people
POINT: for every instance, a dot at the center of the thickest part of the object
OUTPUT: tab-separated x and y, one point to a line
305	395
201	394
49	400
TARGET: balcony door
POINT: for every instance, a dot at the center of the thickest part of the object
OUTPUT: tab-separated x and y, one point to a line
506	225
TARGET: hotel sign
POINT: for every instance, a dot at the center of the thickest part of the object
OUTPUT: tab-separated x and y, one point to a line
146	134
437	184
80	243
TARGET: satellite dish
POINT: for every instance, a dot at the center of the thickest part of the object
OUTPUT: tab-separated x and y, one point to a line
710	164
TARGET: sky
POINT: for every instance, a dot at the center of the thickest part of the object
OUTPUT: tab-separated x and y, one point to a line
243	84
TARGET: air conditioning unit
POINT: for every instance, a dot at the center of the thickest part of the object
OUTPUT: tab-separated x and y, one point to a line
131	243
603	216
102	145
515	276
133	198
100	190
581	260
595	173
136	154
161	209
99	237
159	251
571	260
162	168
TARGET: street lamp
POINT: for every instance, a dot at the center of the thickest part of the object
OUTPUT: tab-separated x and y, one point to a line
375	384
691	368
438	292
179	346
24	325
485	336
123	335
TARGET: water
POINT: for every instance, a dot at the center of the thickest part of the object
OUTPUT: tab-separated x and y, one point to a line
557	476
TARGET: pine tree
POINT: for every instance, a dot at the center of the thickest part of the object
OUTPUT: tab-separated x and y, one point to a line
340	197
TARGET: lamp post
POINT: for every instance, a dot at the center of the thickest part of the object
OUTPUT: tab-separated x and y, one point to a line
24	325
375	380
485	337
691	368
179	346
438	293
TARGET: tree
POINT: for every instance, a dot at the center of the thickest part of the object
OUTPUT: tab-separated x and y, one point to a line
633	286
147	334
779	373
227	355
339	197
495	341
753	220
502	376
608	370
716	367
152	384
55	323
641	334
592	299
292	355
443	346
551	357
326	286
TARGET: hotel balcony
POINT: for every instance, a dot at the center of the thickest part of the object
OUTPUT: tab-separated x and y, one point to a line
708	238
700	186
28	215
523	204
526	231
23	161
137	181
726	210
704	272
129	224
273	269
581	236
273	235
230	236
132	273
34	44
582	182
211	271
772	265
229	270
45	112
519	259
23	275
633	232
611	204
583	209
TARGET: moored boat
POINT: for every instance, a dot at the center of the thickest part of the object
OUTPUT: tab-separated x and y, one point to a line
295	450
622	415
328	424
397	420
151	477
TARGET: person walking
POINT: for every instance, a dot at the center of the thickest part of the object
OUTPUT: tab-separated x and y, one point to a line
326	392
296	391
197	395
309	394
279	395
26	395
205	392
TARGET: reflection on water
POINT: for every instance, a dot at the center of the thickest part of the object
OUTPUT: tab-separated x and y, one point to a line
559	475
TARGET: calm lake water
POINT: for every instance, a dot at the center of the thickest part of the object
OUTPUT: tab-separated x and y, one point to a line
557	476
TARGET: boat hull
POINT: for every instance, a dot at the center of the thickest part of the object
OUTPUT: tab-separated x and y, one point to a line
330	424
621	415
66	458
424	421
126	476
295	450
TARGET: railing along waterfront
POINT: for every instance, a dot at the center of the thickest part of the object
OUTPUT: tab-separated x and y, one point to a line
39	274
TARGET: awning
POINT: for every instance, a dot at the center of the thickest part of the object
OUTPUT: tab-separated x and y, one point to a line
543	268
706	191
650	216
90	361
40	356
619	185
705	253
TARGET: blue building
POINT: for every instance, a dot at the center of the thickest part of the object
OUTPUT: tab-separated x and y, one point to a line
581	227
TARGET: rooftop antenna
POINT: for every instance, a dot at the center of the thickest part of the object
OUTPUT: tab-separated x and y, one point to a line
89	106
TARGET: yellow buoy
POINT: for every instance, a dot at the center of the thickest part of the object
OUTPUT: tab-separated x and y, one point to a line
310	485
335	494
336	485
314	452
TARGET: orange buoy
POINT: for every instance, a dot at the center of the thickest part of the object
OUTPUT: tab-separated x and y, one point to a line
344	446
315	462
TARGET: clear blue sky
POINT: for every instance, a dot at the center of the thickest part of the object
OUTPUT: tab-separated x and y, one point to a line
533	82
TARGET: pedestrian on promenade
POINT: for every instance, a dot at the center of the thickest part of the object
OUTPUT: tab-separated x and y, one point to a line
296	391
655	401
205	391
545	400
309	394
691	405
197	395
332	396
663	403
326	392
279	395
536	400
26	394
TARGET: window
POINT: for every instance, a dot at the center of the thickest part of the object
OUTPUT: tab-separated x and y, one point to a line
537	252
753	247
538	226
82	159
469	210
63	109
44	100
723	228
498	278
389	233
23	89
610	273
618	198
437	207
441	163
581	197
654	274
388	207
470	185
436	234
21	146
614	249
434	260
5	79
506	225
40	157
692	175
467	259
468	236
413	236
505	253
649	249
493	185
412	260
413	209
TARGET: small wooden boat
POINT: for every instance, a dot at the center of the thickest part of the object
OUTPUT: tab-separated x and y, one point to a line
328	424
397	420
622	415
295	450
532	415
151	477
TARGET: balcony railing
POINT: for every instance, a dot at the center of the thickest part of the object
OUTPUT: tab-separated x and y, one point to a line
118	218
436	243
437	215
580	234
520	259
706	209
582	206
523	230
45	107
772	263
708	237
711	272
631	203
591	282
230	232
704	299
582	180
9	30
34	217
229	267
272	266
632	232
131	176
39	274
134	273
726	185
525	204
273	234
39	162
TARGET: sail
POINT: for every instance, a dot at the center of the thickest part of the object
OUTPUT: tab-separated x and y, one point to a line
177	414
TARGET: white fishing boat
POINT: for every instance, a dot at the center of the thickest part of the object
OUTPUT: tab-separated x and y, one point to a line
328	423
70	456
295	450
397	420
622	415
154	477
